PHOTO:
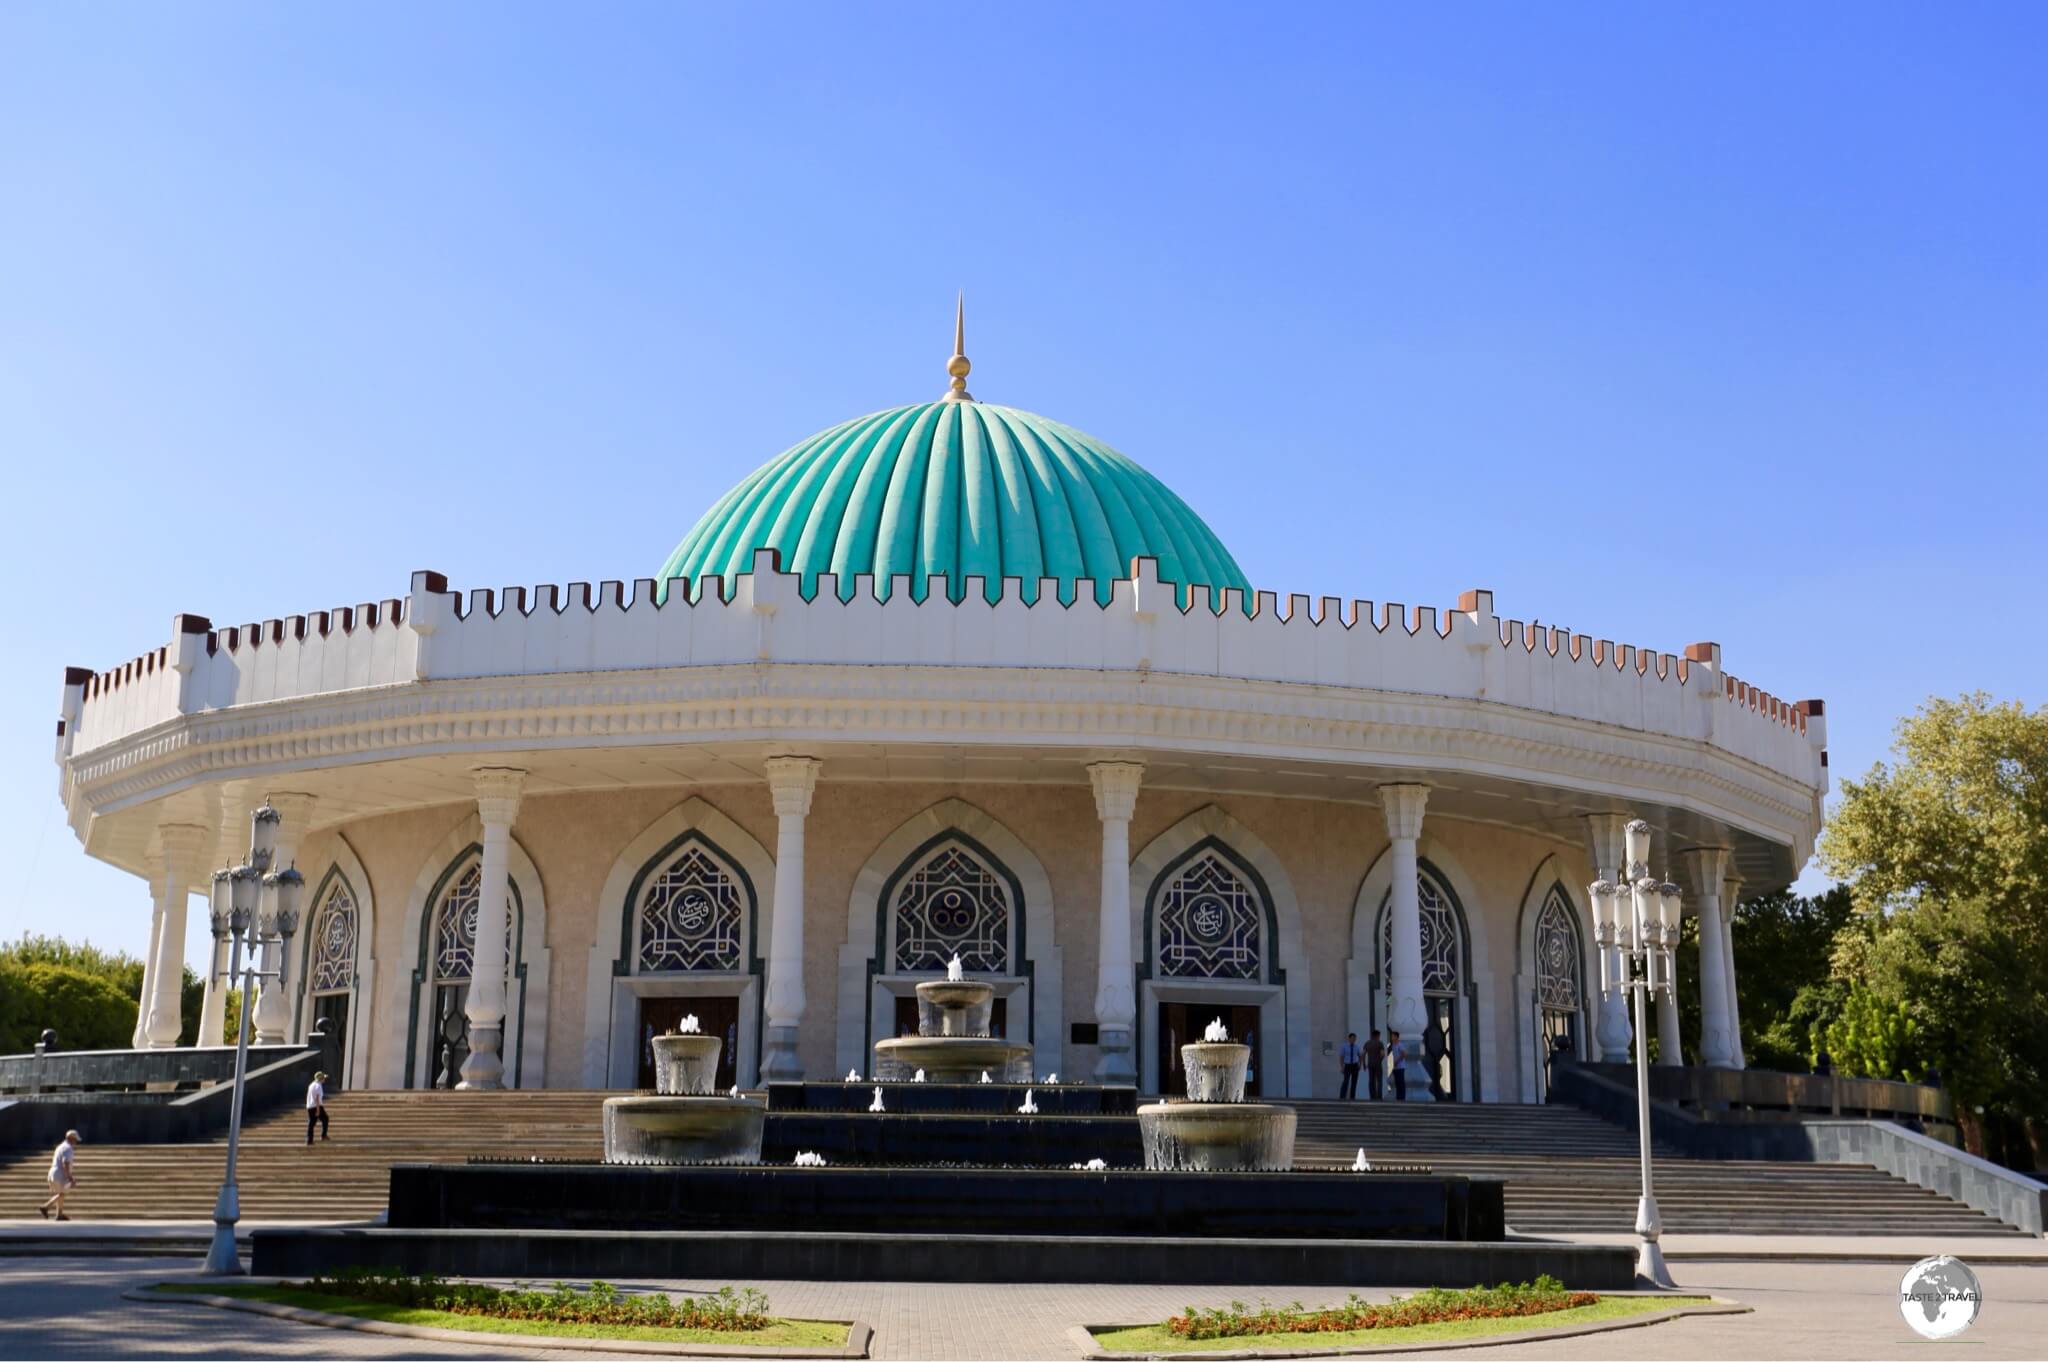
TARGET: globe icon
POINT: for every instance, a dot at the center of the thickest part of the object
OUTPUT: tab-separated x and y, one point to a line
1939	1297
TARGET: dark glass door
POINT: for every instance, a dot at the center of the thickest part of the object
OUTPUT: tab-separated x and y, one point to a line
1440	1048
451	1033
332	1009
1557	1039
1180	1023
717	1015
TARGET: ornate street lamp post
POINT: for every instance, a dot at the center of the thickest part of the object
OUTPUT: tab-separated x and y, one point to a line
1647	933
274	916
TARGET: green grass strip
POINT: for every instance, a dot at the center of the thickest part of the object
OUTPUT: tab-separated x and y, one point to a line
783	1333
1154	1338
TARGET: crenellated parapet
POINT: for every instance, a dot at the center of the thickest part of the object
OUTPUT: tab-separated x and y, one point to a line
1317	647
204	668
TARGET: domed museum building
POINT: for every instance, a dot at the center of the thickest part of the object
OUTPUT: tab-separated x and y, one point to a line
946	679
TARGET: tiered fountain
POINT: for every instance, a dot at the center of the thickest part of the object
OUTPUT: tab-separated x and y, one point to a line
1214	1129
952	1044
686	1121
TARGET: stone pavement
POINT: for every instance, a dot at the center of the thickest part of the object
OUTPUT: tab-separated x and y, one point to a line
71	1308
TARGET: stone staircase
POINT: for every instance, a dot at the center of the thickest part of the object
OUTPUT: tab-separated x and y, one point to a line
1568	1171
347	1178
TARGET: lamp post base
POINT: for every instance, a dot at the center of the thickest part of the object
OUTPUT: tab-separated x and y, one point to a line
1650	1266
223	1257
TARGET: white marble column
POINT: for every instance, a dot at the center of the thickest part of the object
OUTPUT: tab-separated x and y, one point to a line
271	1016
213	1008
1731	895
178	848
1708	867
140	1039
1670	1037
1403	805
1604	837
1116	1003
498	789
791	783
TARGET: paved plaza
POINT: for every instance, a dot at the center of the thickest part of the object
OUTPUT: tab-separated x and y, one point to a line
71	1307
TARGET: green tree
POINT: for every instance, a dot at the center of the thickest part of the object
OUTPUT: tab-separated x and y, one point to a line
1945	852
88	1011
118	968
123	969
1872	1038
1783	952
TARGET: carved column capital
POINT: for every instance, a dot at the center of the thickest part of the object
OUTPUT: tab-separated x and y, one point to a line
183	848
1116	788
791	781
498	790
1403	805
1606	843
1706	867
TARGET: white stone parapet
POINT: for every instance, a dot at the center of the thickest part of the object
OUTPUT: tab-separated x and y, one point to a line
1466	651
616	663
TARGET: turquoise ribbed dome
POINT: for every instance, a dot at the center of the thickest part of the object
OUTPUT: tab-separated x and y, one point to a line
959	489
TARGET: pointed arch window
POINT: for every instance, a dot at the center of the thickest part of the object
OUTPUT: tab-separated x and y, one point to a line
1211	921
1560	985
951	901
334	943
1443	964
691	915
1557	957
454	965
1444	992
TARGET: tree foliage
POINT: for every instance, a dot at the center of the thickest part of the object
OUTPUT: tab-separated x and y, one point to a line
1945	852
117	969
89	1011
1871	1038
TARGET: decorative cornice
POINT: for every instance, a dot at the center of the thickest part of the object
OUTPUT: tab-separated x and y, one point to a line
790	701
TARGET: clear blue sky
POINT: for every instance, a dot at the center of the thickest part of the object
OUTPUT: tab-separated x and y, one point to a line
1727	322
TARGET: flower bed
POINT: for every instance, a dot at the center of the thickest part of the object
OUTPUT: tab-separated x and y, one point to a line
1433	1306
725	1310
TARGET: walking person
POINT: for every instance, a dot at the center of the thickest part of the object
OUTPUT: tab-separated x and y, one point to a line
63	1176
316	1107
1349	1057
1397	1057
1375	1059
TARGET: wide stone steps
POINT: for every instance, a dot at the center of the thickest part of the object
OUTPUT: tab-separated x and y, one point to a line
1566	1170
1569	1171
345	1178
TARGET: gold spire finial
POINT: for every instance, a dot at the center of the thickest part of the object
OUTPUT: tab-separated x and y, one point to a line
958	366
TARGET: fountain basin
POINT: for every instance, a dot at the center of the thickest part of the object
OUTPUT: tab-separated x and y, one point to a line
686	1065
1216	1070
954	1007
1214	1137
664	1129
952	1059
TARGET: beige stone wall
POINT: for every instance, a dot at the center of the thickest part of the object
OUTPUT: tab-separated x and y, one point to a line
1327	850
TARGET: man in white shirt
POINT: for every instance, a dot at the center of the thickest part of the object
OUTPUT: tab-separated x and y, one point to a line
316	1107
62	1177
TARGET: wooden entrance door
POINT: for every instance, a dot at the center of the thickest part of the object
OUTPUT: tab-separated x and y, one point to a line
1180	1023
716	1014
